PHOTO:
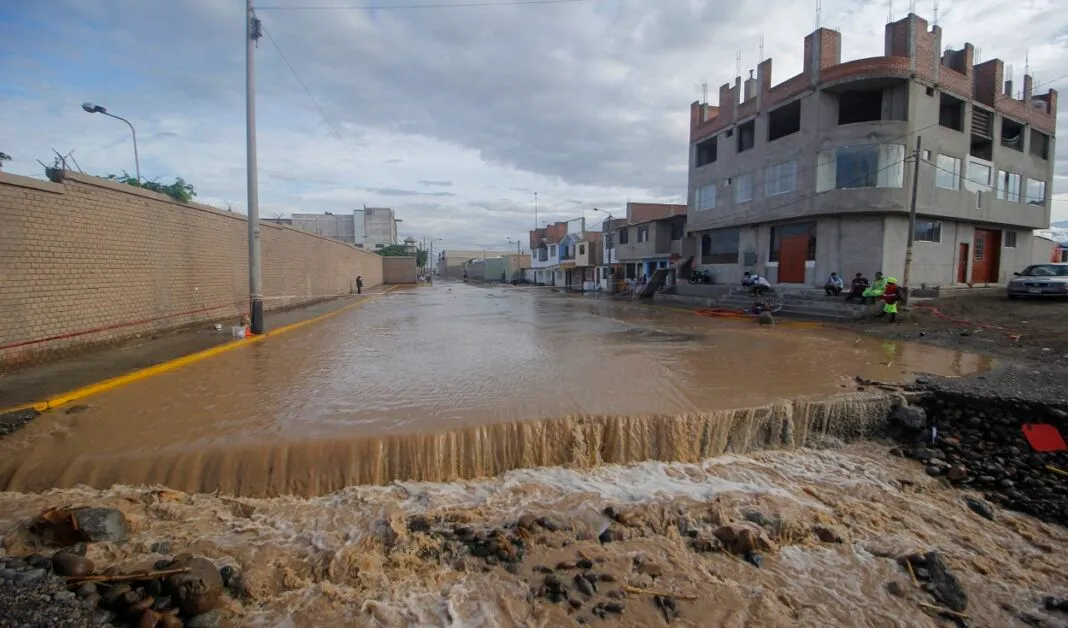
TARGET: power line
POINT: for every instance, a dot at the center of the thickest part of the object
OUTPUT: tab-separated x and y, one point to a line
435	5
316	103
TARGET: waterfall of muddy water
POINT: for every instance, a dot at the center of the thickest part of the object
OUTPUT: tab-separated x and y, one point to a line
457	381
357	557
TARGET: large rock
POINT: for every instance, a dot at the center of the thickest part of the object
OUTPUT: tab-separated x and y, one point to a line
911	418
102	524
740	538
71	565
198	590
940	581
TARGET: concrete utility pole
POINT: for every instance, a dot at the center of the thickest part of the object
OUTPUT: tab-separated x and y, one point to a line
255	279
912	220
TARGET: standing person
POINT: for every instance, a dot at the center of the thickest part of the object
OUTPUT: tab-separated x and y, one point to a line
833	287
857	287
359	284
890	297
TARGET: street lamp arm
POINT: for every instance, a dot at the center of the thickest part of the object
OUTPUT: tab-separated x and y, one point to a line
137	159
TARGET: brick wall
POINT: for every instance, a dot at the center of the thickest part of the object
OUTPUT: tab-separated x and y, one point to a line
86	262
398	270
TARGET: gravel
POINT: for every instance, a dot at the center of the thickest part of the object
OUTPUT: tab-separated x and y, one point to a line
41	602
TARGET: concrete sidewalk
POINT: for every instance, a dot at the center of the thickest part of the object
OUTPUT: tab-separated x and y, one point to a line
47	380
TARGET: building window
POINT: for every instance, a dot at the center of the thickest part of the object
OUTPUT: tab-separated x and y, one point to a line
552	251
624	235
643	234
706	152
743	188
1010	239
1012	134
678	230
947	175
788	231
860	105
720	247
951	113
978	175
781	178
582	249
1036	192
1008	186
705	197
928	231
785	120
1039	144
746	136
864	166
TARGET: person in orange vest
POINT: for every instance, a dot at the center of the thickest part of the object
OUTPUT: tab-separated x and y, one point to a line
891	295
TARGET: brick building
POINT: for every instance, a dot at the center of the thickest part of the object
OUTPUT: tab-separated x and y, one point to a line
814	175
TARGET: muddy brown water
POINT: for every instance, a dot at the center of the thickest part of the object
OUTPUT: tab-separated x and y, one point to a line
459	381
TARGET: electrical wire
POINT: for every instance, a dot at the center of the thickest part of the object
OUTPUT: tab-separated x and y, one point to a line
311	97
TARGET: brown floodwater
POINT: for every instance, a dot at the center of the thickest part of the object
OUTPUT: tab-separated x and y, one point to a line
350	559
459	381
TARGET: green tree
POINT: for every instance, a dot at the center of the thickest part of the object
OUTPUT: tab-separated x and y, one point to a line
399	250
4	157
179	190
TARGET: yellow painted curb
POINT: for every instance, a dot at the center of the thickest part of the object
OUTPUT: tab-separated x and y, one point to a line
185	360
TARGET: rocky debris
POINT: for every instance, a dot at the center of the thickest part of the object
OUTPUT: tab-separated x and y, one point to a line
41	601
895	588
766	318
741	538
198	590
938	580
13	421
978	443
668	607
828	534
69	564
68	526
980	507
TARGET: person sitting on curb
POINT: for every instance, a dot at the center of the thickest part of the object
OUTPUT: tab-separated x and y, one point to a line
876	290
857	287
890	297
833	287
757	284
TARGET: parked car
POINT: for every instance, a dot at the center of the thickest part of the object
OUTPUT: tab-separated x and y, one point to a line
1040	280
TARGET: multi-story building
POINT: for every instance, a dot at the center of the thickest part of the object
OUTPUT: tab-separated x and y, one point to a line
379	227
370	227
547	249
650	237
814	175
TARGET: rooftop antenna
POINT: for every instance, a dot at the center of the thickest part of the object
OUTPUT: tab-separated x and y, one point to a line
704	91
935	12
889	11
761	59
819	13
738	63
912	7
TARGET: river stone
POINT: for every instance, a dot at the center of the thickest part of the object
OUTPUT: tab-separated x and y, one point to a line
946	588
199	589
102	524
766	318
71	565
909	417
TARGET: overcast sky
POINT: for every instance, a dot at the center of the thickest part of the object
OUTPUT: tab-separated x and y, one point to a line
453	116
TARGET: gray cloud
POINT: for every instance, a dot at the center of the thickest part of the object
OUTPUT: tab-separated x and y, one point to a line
435	183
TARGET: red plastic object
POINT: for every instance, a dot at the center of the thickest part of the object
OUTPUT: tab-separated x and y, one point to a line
1044	437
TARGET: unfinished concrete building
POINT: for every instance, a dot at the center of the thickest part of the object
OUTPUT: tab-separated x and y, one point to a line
814	174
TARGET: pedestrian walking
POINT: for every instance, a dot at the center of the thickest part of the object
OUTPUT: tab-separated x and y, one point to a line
359	284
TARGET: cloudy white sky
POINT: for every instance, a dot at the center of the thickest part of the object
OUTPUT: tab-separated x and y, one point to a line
454	116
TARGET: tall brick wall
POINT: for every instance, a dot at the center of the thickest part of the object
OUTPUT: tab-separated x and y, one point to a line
85	262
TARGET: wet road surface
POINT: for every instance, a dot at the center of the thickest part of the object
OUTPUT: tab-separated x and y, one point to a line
429	360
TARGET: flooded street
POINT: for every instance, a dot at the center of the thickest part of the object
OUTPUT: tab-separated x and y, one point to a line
448	382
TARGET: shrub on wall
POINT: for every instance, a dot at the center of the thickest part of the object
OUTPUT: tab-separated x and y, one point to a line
179	190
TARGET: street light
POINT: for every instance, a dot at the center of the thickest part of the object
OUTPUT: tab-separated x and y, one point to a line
91	108
517	245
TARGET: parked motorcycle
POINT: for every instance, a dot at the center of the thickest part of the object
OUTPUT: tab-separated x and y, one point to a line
700	276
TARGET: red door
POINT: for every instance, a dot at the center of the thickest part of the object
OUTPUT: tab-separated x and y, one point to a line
985	256
962	263
793	252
